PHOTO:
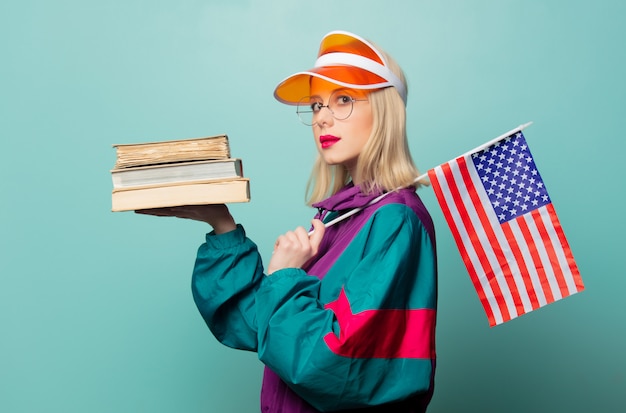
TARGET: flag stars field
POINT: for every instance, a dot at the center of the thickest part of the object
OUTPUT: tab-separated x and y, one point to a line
523	193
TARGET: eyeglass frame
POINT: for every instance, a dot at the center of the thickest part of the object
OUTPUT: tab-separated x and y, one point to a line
321	106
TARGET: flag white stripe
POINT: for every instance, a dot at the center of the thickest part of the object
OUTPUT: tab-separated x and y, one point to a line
502	243
471	253
558	249
528	259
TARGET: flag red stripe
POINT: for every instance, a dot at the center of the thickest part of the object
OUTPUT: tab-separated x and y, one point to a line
486	268
434	180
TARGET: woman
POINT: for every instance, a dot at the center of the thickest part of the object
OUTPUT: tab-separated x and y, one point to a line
343	318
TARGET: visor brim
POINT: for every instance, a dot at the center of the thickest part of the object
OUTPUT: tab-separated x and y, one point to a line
291	90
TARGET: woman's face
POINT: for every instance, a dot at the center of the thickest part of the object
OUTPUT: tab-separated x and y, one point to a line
340	142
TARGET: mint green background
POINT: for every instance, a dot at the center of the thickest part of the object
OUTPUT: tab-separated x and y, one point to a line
96	313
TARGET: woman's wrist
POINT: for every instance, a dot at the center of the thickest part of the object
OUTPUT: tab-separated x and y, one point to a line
223	226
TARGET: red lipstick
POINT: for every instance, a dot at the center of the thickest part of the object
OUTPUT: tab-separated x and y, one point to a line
328	140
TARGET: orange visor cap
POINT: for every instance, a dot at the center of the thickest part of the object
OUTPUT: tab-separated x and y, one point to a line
344	59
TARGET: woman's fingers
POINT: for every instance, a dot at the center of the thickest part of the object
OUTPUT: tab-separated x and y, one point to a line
294	248
217	215
318	233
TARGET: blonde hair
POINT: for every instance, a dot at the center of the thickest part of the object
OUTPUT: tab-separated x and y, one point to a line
385	163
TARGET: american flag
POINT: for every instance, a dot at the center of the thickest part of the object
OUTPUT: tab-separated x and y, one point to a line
506	229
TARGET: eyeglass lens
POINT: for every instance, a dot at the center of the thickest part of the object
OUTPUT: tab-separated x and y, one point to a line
339	104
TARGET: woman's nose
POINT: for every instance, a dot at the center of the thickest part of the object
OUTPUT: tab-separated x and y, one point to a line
324	117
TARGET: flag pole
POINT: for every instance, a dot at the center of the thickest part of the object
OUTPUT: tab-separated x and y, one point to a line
491	142
425	175
484	145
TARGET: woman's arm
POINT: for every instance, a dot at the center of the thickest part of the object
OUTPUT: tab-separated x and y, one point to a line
227	272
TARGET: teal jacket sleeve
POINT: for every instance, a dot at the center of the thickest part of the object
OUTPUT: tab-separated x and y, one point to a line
364	334
227	273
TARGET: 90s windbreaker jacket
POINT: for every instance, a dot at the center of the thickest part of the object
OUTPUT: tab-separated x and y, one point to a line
354	329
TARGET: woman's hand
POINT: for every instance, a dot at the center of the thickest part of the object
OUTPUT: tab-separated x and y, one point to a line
217	216
295	248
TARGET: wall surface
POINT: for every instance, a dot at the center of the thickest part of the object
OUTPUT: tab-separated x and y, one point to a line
96	313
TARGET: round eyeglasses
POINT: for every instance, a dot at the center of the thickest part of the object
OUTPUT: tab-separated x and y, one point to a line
340	105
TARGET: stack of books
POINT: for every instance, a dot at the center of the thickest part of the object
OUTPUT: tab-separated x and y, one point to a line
177	172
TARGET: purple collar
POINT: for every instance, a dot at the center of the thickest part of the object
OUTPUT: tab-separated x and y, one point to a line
348	197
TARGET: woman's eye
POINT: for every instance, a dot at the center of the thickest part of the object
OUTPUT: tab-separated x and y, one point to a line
316	106
343	100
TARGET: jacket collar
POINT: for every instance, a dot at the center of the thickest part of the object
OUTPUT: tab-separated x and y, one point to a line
348	197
